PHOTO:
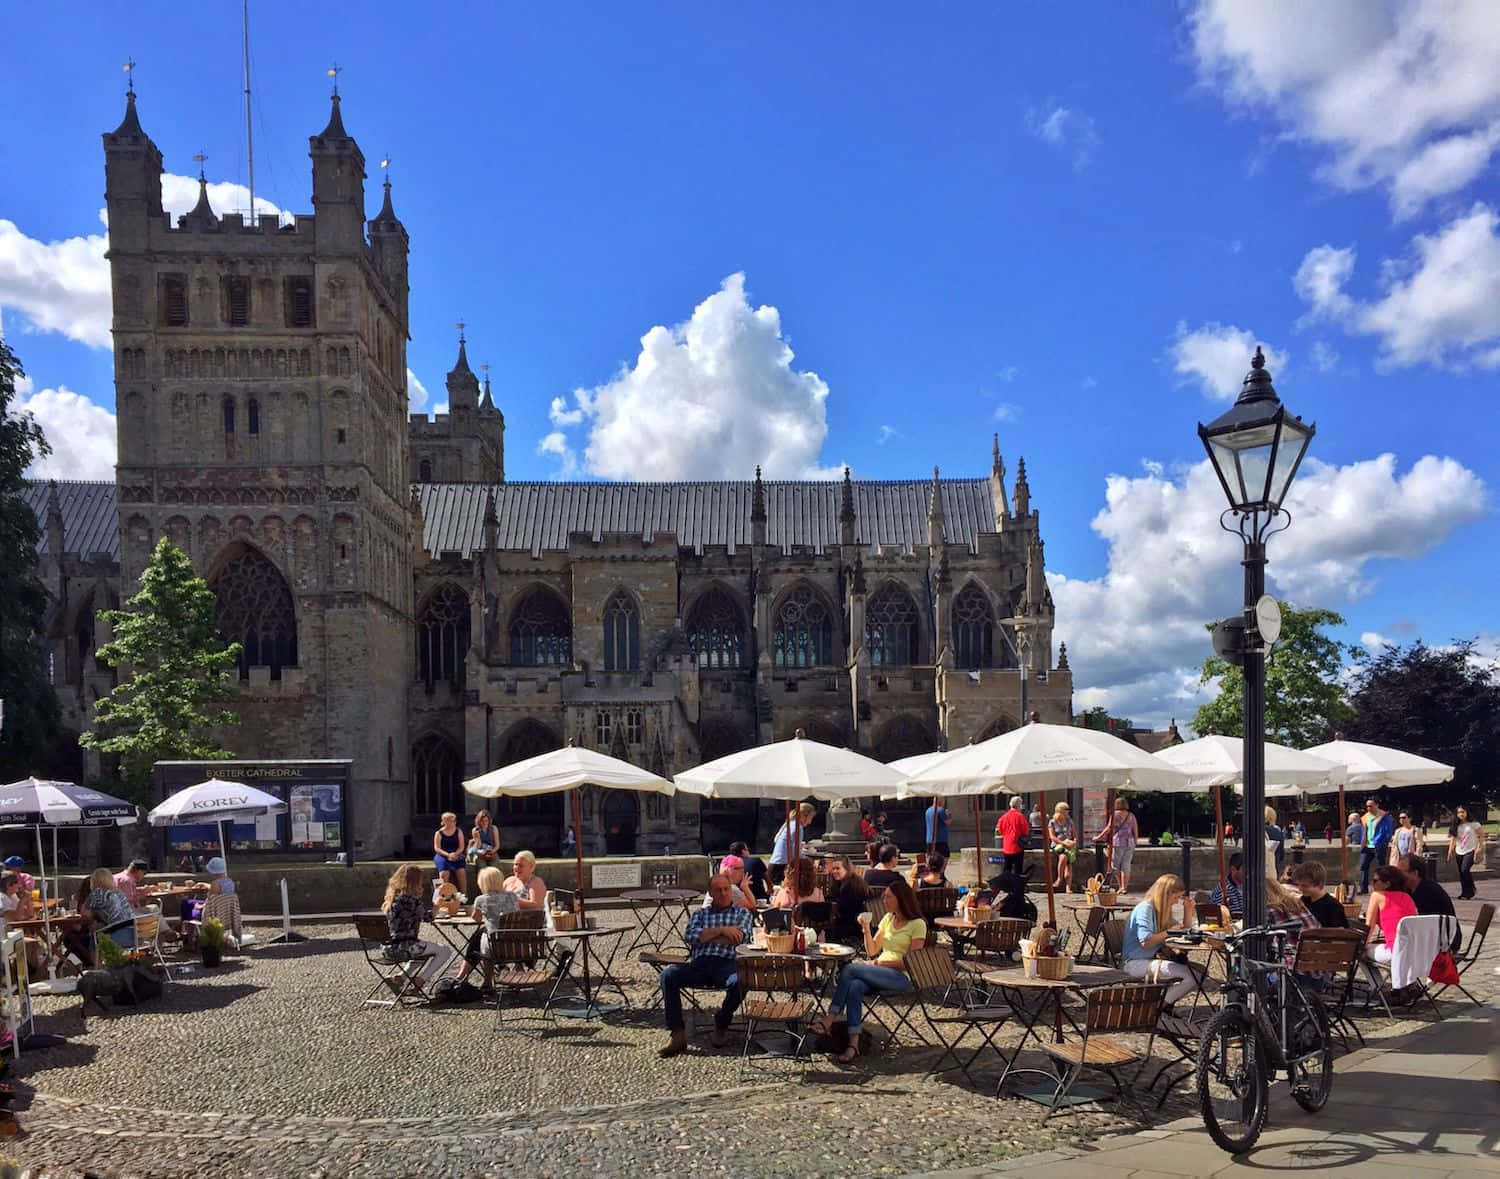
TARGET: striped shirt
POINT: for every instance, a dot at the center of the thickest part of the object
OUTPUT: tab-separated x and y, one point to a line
710	918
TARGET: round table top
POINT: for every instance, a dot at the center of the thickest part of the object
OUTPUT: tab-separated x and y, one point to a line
955	923
1085	903
844	954
1081	978
1188	945
640	895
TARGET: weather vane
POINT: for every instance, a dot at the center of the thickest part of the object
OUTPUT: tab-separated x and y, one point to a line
129	68
333	72
199	159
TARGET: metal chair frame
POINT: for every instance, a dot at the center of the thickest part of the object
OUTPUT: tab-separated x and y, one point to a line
1470	953
1334	953
372	931
933	976
1116	1010
768	975
513	955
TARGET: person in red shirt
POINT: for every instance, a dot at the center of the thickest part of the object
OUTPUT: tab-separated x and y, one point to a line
867	830
1012	828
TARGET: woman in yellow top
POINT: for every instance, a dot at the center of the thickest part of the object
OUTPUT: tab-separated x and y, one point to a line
901	930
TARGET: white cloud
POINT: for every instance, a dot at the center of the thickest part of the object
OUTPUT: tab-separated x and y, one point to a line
556	445
561	415
1007	411
1136	634
1067	130
1374	642
416	392
1009	373
81	434
704	399
1325	357
886	434
63	286
1440	305
1402	94
1216	357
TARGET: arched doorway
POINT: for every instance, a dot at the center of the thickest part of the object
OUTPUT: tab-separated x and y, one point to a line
904	736
621	819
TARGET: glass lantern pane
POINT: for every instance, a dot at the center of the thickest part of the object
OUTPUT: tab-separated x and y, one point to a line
1255	469
1228	471
1294	440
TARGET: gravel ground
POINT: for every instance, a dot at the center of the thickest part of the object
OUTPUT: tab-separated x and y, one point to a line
267	1067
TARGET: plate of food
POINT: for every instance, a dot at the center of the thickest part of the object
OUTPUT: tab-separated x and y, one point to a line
834	950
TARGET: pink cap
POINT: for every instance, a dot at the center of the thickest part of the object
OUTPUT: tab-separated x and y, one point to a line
730	862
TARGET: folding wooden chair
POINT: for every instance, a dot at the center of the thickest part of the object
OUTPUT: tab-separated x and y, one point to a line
1471	952
895	1010
936	902
1415	980
400	979
932	977
1112	1011
995	944
1332	957
513	962
1112	938
1092	926
776	991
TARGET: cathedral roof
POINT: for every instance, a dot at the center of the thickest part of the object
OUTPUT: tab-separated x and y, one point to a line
538	517
89	511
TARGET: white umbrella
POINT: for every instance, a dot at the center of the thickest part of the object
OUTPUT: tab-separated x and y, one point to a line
791	771
907	766
1036	758
1219	761
215	801
1373	766
570	769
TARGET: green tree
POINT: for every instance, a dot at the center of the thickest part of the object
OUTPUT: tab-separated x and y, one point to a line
1099	718
178	672
1442	703
1305	696
28	737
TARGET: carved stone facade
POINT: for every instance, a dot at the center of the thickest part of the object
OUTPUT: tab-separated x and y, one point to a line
433	621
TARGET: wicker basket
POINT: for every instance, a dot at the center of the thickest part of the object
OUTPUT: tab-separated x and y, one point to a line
565	922
980	913
1105	896
1057	968
781	942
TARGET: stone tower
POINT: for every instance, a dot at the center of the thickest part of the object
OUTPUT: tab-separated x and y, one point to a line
260	377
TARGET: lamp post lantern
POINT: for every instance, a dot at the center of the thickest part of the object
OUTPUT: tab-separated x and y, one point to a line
1255	448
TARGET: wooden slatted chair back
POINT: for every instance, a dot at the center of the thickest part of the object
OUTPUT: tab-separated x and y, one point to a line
524	919
1327	951
1113	932
1127	1007
1000	935
514	946
937	902
1482	922
372	927
772	972
930	969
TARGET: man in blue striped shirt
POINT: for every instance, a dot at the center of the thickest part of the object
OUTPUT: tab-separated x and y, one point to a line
712	934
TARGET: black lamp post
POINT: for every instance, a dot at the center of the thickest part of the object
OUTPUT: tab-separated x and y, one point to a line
1256	448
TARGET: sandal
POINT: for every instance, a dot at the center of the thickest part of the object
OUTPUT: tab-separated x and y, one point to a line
821	1026
849	1054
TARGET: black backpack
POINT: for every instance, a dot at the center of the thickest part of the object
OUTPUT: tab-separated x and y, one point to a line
454	990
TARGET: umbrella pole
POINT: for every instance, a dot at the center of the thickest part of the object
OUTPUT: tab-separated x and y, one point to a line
41	867
1343	818
1219	838
578	847
1047	865
223	850
1109	851
583	945
978	847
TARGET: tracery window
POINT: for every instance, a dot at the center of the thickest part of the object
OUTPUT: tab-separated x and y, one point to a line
252	416
443	636
973	628
622	634
803	631
716	630
436	777
255	609
541	633
891	627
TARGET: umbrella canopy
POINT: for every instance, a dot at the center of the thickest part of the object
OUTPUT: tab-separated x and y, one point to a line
789	771
215	801
1219	761
907	766
39	801
1040	757
1372	766
565	769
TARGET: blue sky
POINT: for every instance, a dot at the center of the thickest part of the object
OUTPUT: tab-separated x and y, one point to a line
1067	224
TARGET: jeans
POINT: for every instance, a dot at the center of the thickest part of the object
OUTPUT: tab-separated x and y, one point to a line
702	971
1466	874
1371	858
856	981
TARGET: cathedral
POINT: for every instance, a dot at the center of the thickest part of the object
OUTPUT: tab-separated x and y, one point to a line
403	606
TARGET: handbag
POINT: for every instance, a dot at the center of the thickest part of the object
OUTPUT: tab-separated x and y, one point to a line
1444	969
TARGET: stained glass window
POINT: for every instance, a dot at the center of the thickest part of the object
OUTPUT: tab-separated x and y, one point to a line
891	627
973	628
255	609
541	633
803	632
443	636
622	634
716	630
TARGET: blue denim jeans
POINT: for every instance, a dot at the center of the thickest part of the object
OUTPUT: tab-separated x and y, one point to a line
702	971
856	981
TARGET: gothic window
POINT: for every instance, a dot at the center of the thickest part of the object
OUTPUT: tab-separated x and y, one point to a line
633	726
803	632
716	630
622	634
255	609
83	635
174	300
541	633
236	301
602	729
891	627
973	628
424	469
299	302
252	416
443	636
436	777
228	415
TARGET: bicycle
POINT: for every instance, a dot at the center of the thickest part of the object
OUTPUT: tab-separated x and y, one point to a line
1268	1023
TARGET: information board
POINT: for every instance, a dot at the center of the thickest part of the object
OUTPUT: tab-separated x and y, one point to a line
616	876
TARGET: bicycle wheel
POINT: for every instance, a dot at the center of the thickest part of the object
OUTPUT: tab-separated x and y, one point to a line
1312	1079
1233	1085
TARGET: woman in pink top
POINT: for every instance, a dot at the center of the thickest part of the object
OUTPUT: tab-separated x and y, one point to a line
1389	902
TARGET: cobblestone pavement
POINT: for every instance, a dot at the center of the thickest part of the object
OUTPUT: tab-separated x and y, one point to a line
267	1068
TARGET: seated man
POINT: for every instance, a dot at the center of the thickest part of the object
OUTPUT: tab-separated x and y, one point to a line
712	935
1233	899
734	868
1310	880
1431	898
130	882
